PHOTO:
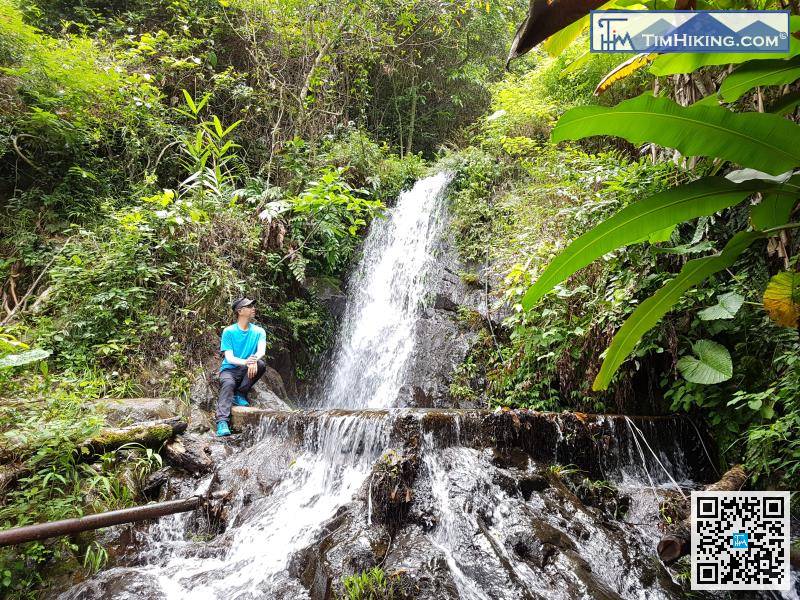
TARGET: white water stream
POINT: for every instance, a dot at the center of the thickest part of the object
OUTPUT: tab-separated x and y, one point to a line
385	297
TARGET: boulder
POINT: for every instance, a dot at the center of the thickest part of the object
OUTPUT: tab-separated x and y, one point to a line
273	382
189	452
262	397
200	421
204	390
127	411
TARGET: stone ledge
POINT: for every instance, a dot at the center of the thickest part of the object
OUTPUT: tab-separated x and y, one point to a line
600	445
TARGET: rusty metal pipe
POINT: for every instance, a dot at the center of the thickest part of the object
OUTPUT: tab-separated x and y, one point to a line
30	533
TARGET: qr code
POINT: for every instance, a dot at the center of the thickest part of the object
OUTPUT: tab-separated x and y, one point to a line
740	541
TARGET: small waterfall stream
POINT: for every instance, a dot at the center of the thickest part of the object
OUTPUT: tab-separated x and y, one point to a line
304	489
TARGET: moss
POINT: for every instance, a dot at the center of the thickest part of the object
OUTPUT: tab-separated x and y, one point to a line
146	435
469	278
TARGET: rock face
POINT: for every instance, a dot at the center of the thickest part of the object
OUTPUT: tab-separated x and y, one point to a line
189	452
441	344
485	512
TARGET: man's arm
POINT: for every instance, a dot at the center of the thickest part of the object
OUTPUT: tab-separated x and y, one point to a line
261	350
234	360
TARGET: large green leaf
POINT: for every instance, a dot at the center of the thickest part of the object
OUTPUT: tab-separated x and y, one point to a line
638	220
656	306
762	141
559	41
759	73
670	64
773	210
712	365
23	358
726	307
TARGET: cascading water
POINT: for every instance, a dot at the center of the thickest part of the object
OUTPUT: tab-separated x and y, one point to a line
477	529
386	293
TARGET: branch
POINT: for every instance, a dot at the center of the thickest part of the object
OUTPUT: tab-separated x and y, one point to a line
21	304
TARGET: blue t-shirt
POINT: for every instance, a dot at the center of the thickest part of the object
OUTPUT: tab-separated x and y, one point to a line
243	343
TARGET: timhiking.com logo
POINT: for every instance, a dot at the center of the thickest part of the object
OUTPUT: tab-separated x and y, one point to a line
684	31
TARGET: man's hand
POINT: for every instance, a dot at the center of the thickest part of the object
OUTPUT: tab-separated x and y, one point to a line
252	367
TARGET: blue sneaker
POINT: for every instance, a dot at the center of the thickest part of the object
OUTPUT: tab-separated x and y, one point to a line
222	429
239	400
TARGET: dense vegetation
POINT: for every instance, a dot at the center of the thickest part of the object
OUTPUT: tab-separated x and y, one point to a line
726	352
157	159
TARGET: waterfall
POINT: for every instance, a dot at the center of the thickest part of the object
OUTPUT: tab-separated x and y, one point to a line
385	295
488	526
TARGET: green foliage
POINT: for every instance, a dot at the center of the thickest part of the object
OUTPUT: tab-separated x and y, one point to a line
759	73
327	217
712	363
44	421
635	222
656	306
761	141
17	360
373	166
726	307
522	211
522	202
369	585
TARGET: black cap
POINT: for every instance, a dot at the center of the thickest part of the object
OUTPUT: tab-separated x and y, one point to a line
241	303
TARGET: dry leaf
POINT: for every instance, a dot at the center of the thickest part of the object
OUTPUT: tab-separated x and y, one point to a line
782	299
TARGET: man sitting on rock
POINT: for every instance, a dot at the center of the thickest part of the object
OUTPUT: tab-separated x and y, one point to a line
243	345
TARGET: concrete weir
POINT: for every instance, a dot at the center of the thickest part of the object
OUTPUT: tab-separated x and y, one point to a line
603	446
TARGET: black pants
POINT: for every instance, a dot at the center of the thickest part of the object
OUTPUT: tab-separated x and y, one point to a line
235	381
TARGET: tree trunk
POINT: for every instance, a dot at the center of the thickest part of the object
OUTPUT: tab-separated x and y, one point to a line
150	434
42	531
677	543
410	140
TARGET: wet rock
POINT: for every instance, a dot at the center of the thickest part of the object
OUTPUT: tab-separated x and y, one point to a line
510	457
342	547
262	397
595	588
530	484
424	569
444	302
117	584
189	452
154	482
547	534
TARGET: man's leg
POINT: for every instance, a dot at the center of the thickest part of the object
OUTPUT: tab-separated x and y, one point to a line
247	383
227	387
